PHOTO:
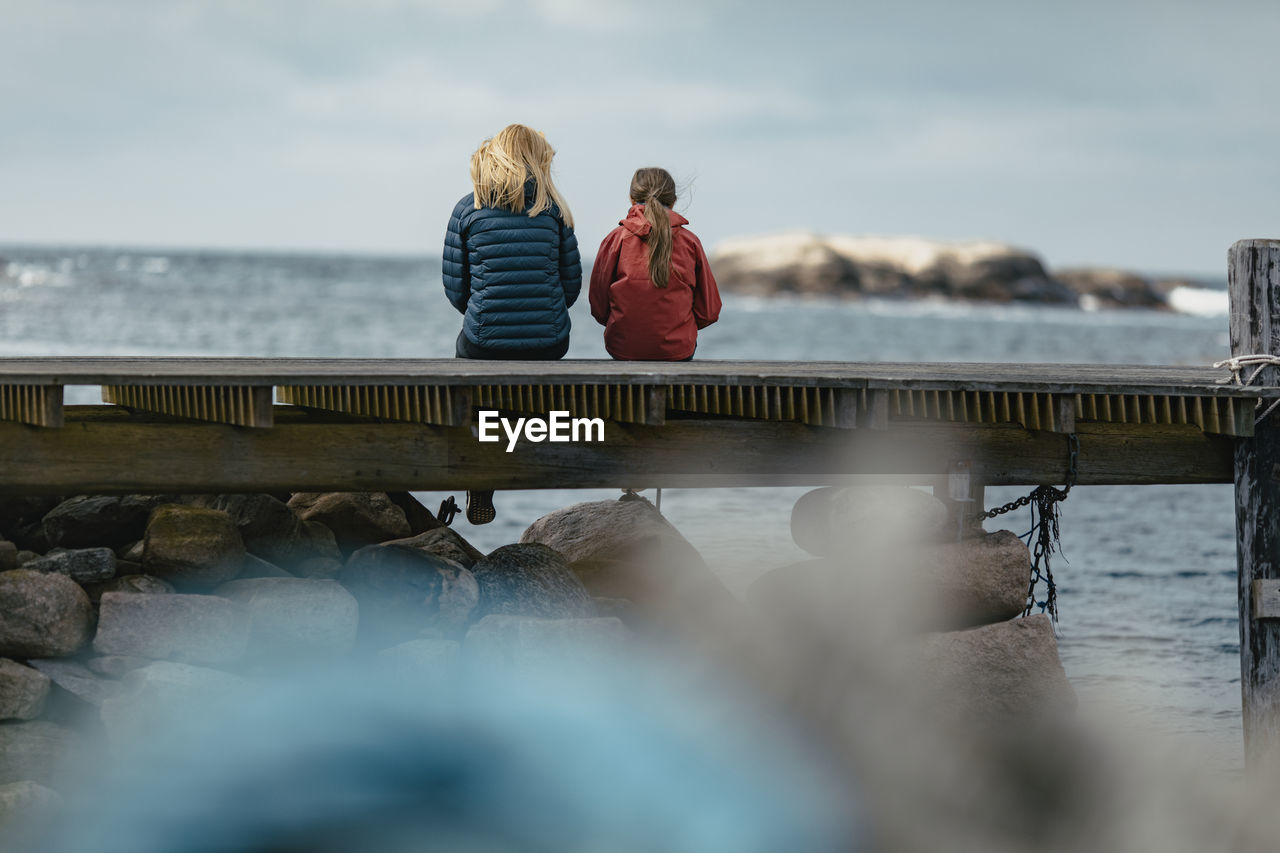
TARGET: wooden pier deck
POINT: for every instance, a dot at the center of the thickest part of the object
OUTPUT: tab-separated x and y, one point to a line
248	424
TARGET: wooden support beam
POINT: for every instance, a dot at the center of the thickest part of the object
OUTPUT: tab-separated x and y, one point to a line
238	405
110	450
37	405
1254	290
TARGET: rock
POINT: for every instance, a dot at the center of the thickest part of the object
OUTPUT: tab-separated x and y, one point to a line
997	672
256	567
128	567
21	519
627	549
161	694
8	556
519	642
530	580
82	565
356	518
100	520
884	266
45	615
419	517
291	618
35	751
431	662
978	580
23	691
77	679
404	591
832	520
29	803
128	583
116	666
203	629
443	542
318	567
24	557
272	530
193	547
132	552
1110	288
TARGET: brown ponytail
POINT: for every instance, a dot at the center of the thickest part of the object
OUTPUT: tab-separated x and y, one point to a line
656	190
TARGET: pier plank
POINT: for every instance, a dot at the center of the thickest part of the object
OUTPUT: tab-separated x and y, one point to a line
104	449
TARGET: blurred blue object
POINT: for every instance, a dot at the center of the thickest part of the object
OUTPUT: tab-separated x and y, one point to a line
548	759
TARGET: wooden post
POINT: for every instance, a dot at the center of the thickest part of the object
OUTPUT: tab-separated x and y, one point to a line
1254	291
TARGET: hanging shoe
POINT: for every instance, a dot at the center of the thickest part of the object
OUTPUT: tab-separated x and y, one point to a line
480	507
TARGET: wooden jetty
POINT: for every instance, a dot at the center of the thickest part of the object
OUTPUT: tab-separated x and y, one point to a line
274	425
209	424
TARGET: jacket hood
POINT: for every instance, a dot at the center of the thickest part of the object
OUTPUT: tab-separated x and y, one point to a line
639	226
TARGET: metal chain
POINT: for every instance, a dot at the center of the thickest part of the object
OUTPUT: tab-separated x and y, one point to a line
1044	501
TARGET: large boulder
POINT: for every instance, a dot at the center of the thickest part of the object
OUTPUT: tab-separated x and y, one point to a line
933	587
25	808
405	593
36	751
530	580
627	549
192	547
201	629
100	520
272	530
82	565
1112	288
23	691
523	644
356	518
443	542
128	583
1006	671
76	680
44	615
161	694
833	520
884	266
292	618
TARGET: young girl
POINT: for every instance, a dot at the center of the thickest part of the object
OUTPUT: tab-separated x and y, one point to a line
511	264
651	285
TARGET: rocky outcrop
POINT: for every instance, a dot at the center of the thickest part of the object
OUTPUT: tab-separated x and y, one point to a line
45	615
356	518
906	267
192	547
909	267
295	618
1007	671
626	549
530	580
200	629
404	593
23	691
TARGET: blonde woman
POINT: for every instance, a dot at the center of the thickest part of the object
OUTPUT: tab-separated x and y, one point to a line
511	263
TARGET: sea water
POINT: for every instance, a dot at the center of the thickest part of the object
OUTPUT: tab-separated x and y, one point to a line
1146	575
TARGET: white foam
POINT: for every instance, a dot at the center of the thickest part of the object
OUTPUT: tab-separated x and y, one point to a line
1199	301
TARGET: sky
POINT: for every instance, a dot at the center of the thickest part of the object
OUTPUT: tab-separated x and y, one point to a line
1133	134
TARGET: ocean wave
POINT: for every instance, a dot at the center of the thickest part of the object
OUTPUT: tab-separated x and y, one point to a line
1199	301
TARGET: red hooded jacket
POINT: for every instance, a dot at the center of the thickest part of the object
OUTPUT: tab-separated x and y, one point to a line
643	322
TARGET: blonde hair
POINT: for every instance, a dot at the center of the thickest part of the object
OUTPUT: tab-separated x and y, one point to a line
656	190
502	166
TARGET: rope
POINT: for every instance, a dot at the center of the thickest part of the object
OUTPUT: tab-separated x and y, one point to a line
1238	363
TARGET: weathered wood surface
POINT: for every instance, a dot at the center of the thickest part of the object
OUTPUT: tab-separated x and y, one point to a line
104	449
1046	378
1254	290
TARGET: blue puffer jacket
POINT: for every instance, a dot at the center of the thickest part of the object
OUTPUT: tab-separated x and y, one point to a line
512	276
